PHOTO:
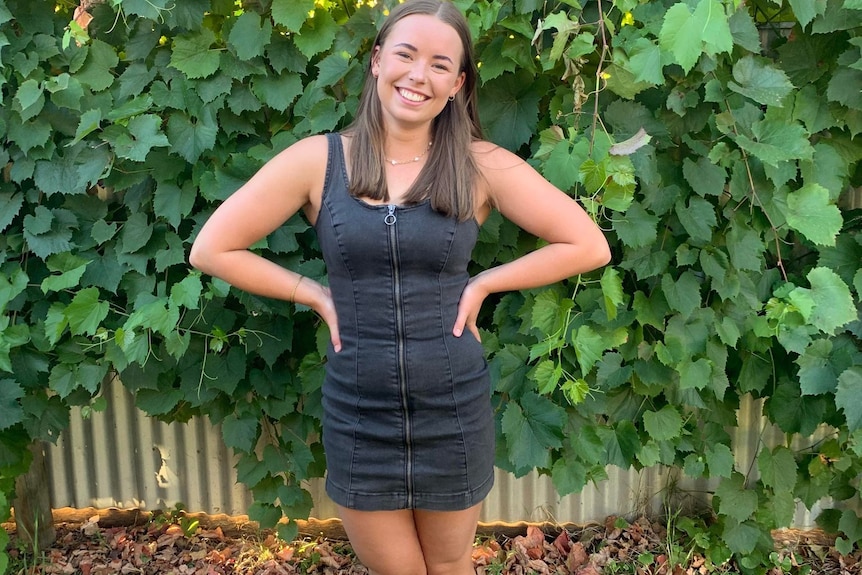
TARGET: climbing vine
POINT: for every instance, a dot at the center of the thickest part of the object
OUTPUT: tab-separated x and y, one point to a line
714	141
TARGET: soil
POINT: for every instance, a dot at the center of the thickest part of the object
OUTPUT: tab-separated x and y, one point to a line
103	542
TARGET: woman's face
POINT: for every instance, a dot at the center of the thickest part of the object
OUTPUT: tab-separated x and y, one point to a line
418	67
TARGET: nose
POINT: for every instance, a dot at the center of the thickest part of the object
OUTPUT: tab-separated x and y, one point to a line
417	72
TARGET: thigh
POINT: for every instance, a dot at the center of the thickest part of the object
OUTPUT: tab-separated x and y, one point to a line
384	541
447	539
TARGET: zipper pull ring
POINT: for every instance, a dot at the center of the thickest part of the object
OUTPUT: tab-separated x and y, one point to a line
390	217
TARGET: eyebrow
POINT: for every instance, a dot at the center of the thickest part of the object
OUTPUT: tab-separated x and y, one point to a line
414	49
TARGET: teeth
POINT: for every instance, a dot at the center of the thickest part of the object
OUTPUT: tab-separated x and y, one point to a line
412	96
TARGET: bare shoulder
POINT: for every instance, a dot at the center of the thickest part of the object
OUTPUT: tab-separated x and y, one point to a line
311	152
490	157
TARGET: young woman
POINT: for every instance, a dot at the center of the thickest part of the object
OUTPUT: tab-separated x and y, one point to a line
397	200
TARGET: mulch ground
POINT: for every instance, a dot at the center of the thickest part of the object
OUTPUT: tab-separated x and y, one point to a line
106	543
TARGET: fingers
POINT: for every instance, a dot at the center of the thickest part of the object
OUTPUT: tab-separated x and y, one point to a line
465	321
335	338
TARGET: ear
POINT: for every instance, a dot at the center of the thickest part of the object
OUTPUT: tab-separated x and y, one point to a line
375	61
458	84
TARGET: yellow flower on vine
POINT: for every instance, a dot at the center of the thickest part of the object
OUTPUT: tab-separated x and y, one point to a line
628	20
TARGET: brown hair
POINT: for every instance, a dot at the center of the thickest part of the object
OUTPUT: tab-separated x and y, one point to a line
449	175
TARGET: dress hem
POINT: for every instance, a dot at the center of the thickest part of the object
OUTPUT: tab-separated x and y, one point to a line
398	501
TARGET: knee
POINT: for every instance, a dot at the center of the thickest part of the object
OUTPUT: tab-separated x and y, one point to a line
399	569
460	566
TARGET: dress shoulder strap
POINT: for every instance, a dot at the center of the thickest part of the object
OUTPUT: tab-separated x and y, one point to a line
336	169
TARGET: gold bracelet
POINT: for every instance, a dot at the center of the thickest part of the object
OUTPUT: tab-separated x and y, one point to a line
293	295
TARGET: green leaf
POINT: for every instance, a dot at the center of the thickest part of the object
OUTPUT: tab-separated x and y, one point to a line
621	444
249	36
71	269
777	468
847	397
745	248
704	177
173	203
807	10
532	427
589	347
687	35
636	228
187	293
758	80
793	412
11	286
612	291
317	34
10	206
737	502
240	433
833	304
146	134
844	88
86	312
698	219
157	401
563	164
741	538
278	92
48	232
811	212
664	424
719	458
680	37
645	62
149	9
816	374
694	374
683	294
291	13
777	141
29	99
11	412
89	123
192	56
511	112
74	172
191	137
332	69
137	231
97	72
30	135
65	378
569	476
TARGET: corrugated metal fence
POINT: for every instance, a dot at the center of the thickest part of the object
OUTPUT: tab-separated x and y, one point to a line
122	458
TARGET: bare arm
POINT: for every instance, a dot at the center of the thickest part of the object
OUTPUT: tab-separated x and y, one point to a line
287	183
575	244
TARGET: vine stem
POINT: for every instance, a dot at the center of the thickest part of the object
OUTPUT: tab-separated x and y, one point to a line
756	197
599	71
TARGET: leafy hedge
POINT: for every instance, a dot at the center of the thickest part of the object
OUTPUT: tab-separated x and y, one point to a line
713	141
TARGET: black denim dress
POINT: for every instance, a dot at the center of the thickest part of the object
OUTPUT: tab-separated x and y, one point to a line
407	412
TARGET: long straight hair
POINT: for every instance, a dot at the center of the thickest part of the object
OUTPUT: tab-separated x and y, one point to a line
449	175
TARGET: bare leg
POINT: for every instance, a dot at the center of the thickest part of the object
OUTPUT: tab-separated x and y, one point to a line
413	542
447	539
385	541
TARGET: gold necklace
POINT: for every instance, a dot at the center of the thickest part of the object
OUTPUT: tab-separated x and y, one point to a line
411	160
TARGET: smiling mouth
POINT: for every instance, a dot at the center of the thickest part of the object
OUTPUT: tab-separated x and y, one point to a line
412	96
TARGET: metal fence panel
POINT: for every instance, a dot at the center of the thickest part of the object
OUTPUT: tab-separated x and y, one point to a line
122	458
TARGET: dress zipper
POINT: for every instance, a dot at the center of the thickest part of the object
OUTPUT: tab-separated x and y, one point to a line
390	220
